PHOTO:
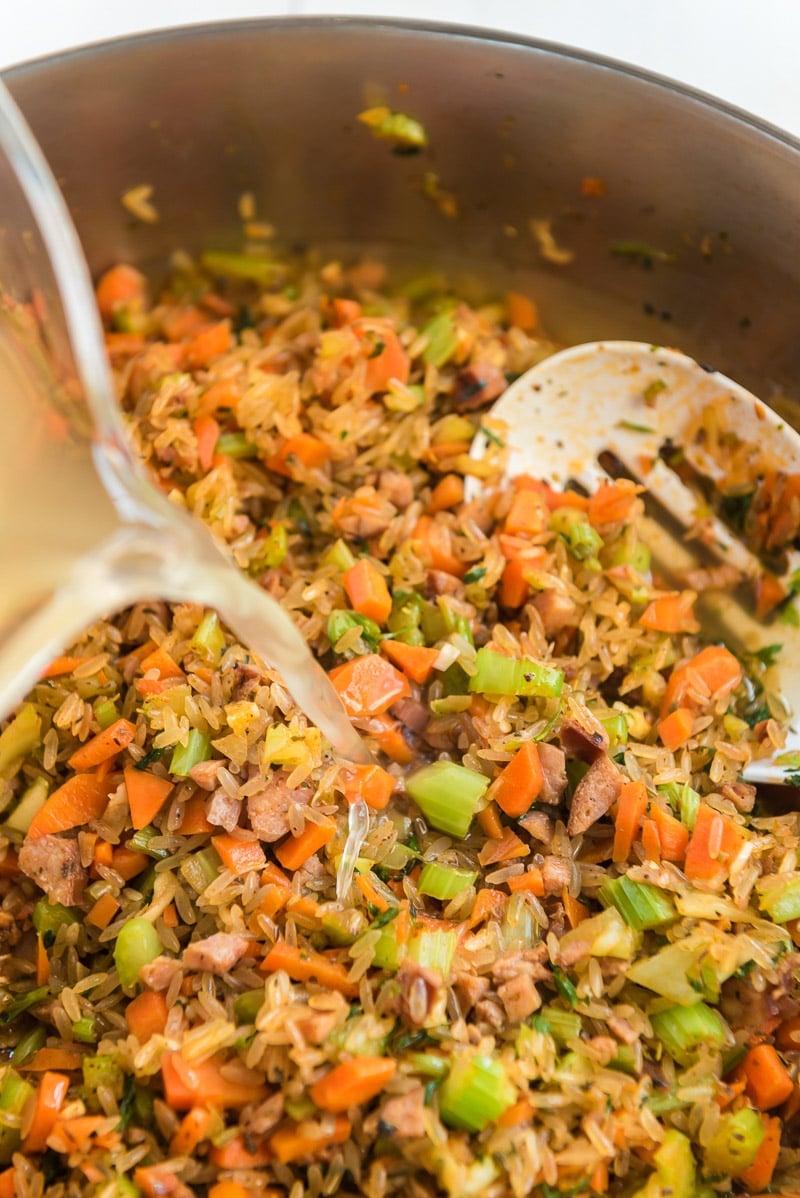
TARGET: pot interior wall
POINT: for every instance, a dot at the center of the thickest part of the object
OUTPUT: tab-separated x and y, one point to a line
271	107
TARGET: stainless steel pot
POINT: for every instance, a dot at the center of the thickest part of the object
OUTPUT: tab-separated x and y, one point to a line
206	113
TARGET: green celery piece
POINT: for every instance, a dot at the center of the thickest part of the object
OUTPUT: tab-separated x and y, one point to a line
186	757
608	935
248	268
782	901
138	944
640	904
103	1071
30	804
496	674
520	926
475	1093
434	949
339	556
427	1063
561	1025
106	712
49	917
389	953
22	1003
685	799
662	1103
341	621
583	542
667	972
28	1044
14	1094
638	557
19	738
236	445
343	927
675	1174
682	1030
209	639
735	1144
85	1031
447	795
300	1108
272	550
247	1005
433	622
616	726
625	1061
442	339
444	882
140	841
200	869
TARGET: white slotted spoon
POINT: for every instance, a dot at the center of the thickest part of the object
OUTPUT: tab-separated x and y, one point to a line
629	398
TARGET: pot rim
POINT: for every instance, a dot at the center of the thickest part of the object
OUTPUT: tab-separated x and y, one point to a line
207	29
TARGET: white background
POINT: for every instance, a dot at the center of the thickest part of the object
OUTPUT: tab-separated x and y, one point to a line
745	51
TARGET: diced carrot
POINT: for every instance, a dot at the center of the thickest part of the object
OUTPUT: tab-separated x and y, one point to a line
521	1112
434	544
209	343
308	450
239	1153
714	670
574	909
299	904
514	586
612	502
651	841
489	904
490	822
714	842
271	875
196	1126
296	850
416	661
599	1179
770	591
8	1183
448	493
365	507
194	820
292	1141
233	1189
78	1133
522	311
159	1181
506	849
63	1059
188	1084
120	346
352	1083
239	856
527	515
370	893
82	798
531	882
345	311
520	782
103	911
129	863
673	836
206	430
444	455
45	1105
224	393
147	794
631	807
388	735
591	186
673	613
146	1015
63	665
42	962
369	684
105	744
117	287
304	965
368	782
158	659
367	590
103	853
768	1080
386	358
759	1174
676	728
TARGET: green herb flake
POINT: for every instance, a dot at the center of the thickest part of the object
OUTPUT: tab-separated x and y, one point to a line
493	437
564	986
633	427
768	654
474	575
641	251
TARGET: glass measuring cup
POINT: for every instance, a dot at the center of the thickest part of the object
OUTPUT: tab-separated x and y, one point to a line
82	530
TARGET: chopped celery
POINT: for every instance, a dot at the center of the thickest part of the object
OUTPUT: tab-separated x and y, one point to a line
339	556
561	1025
638	556
607	934
85	1031
138	944
520	926
447	795
625	1061
427	1063
344	927
686	800
454	681
404	619
667	972
496	674
103	1072
565	986
14	1095
28	1044
433	622
247	1005
442	337
249	268
640	904
106	712
340	622
300	1108
452	428
209	639
675	1172
140	841
662	1103
21	735
734	1145
389	953
49	917
475	1093
616	725
186	757
31	803
444	882
201	869
24	1002
272	550
781	900
583	542
236	445
682	1030
434	949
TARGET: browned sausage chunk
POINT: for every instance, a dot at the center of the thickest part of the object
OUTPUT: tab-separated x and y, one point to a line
554	771
54	864
594	794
